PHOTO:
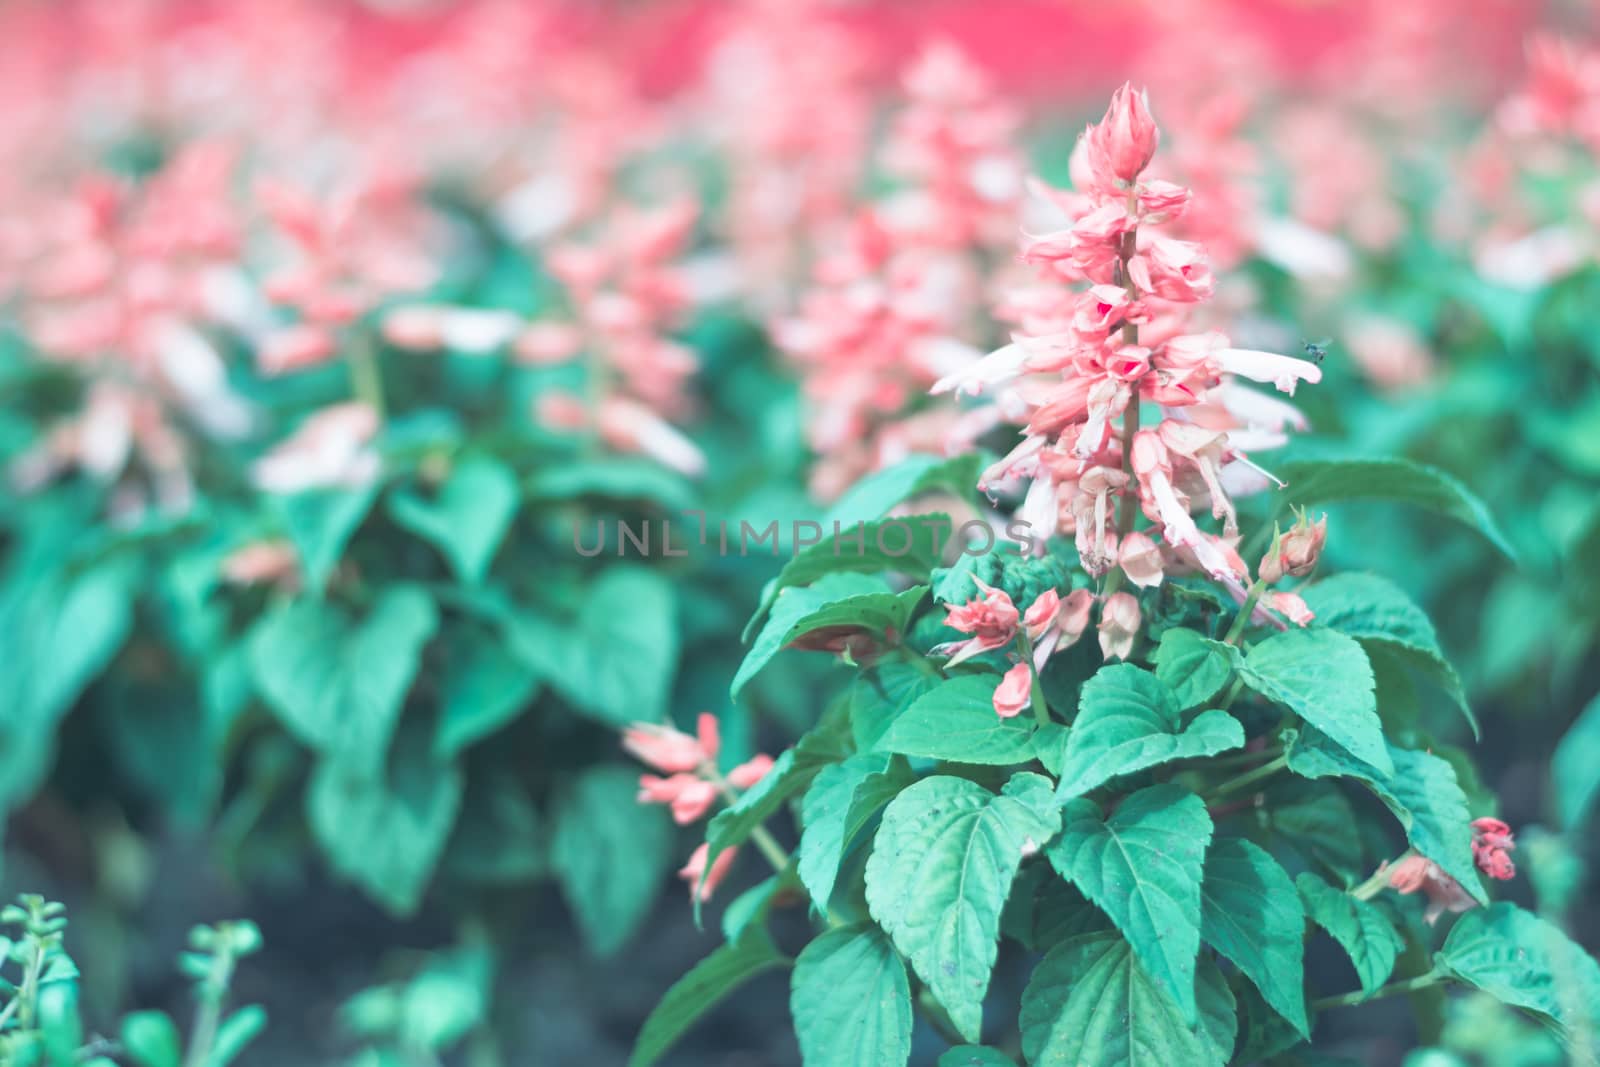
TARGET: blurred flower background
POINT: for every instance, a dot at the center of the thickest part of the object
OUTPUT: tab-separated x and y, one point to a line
325	324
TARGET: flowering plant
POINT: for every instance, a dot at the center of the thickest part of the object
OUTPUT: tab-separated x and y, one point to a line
1154	826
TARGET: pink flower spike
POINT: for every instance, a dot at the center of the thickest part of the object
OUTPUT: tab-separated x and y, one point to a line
750	772
663	747
709	732
1014	692
696	867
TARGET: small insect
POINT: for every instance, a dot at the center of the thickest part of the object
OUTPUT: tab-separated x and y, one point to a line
1317	351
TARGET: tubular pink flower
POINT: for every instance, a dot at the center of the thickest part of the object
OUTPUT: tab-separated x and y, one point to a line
692	871
1015	691
1417	873
1284	372
1119	625
750	772
1491	848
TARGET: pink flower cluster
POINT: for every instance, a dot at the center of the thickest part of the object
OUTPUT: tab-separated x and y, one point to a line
692	785
1086	359
896	304
1491	850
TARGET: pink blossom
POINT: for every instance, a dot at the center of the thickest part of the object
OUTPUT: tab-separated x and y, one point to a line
330	449
1491	848
1296	552
689	796
1291	607
1014	692
1416	873
1119	625
263	563
990	617
750	772
1140	559
670	750
1041	614
1122	143
692	871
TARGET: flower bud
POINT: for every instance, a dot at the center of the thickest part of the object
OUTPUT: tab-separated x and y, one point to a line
1014	692
1126	138
1295	553
1119	625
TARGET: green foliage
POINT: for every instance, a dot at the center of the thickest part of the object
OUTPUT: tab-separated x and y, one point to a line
1368	938
851	1001
1129	720
955	721
1249	912
1143	867
608	856
940	872
702	989
1325	678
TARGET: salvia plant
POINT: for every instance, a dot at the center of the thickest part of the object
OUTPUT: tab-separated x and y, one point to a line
40	1021
1091	794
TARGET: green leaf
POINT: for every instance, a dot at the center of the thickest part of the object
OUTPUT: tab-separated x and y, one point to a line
1331	481
615	478
1194	667
1378	613
792	772
851	1001
941	868
338	685
841	801
609	855
1575	768
750	908
873	496
1325	678
617	659
321	522
1143	868
236	1031
908	544
1523	960
702	989
956	721
482	687
151	1039
1251	914
57	632
1422	793
1129	720
1090	1002
385	831
468	518
881	694
975	1056
1367	937
842	600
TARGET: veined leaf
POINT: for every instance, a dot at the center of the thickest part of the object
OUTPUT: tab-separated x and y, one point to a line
956	721
1377	612
1520	959
1330	481
1251	914
940	871
468	518
909	544
1325	678
1422	793
1143	867
1367	937
841	801
1128	720
1090	1002
1576	766
851	1000
1194	667
321	522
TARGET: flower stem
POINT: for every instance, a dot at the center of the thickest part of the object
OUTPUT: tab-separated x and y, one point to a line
365	380
1409	985
1249	778
1379	880
1246	609
1041	711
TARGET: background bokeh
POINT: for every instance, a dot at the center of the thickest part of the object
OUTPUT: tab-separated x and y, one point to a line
326	323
